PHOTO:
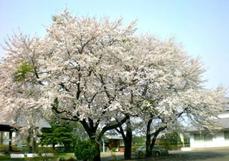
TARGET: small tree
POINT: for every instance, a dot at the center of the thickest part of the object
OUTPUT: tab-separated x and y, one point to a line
61	132
57	135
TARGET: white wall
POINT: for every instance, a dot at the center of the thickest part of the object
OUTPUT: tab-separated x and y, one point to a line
217	141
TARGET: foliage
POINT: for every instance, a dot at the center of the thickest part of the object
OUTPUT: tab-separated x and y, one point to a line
85	150
170	141
61	132
22	71
139	140
56	135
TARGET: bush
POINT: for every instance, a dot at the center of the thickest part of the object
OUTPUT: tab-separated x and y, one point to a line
85	150
170	141
135	147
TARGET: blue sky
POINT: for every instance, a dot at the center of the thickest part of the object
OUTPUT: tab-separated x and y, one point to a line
201	26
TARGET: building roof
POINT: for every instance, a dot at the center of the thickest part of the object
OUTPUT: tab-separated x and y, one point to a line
6	118
220	124
7	128
224	123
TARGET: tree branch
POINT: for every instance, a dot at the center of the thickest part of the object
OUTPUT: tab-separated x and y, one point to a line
111	126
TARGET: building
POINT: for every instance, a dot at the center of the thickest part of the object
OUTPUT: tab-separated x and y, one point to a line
112	143
217	138
10	127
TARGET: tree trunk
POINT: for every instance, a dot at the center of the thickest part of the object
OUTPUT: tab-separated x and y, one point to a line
155	135
154	140
67	146
53	146
34	145
148	139
91	131
97	156
91	128
10	141
128	140
29	137
1	137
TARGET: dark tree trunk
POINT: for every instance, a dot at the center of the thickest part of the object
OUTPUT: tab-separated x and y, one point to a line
34	145
150	143
148	139
1	137
154	140
53	146
29	138
91	128
97	156
128	140
91	131
67	146
10	141
155	135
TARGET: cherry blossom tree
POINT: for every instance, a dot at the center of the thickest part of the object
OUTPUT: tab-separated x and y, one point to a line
100	73
76	69
166	86
169	87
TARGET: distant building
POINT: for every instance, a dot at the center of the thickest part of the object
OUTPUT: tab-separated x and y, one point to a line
217	138
112	143
10	127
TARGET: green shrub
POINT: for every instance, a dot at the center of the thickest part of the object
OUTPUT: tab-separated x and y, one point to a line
170	141
85	150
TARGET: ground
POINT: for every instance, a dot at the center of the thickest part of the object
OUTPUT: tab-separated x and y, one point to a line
197	155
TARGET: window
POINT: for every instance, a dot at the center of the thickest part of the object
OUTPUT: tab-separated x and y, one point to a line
205	137
226	135
208	137
198	137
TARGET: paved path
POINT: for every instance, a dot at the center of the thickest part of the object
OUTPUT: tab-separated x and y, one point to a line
197	155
